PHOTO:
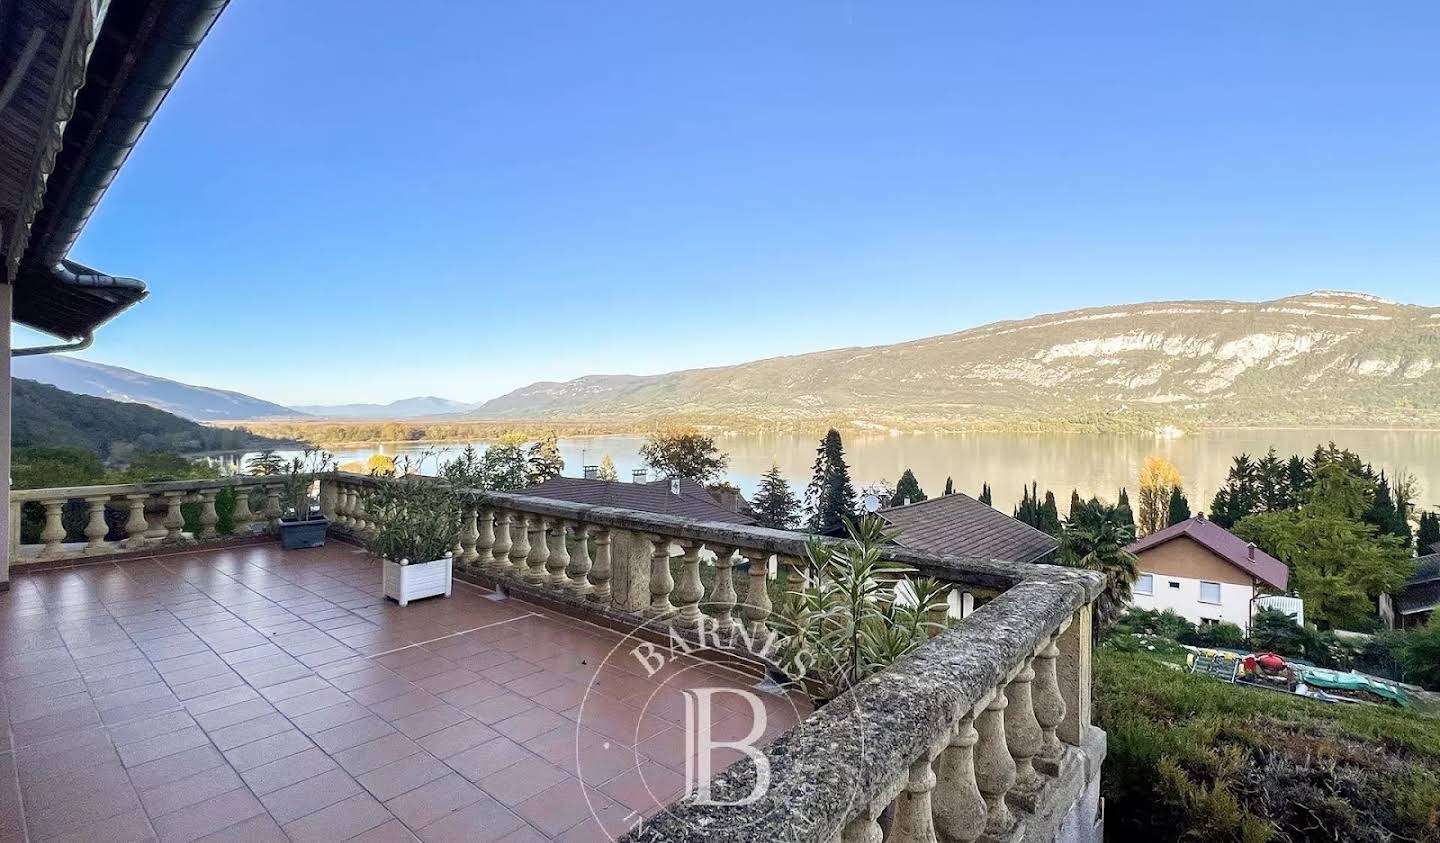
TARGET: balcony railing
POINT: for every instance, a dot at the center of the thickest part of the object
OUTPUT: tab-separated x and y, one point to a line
983	732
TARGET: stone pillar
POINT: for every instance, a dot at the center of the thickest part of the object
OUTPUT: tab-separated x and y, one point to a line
865	828
485	538
722	602
469	534
328	500
757	596
10	525
242	516
578	572
558	564
520	543
959	807
1022	731
1049	707
539	551
273	511
599	576
914	821
54	533
690	590
208	516
96	528
500	552
994	768
174	520
1072	673
136	527
661	582
630	571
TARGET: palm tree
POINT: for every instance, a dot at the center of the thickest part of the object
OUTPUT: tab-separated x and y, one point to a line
1095	538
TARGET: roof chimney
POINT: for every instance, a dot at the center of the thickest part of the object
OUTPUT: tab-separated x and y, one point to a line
907	501
1199	516
640	475
592	472
1251	548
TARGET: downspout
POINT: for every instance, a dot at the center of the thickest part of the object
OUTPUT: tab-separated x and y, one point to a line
84	343
63	274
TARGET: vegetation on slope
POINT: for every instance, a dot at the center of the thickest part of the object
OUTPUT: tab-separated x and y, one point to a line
46	416
1194	758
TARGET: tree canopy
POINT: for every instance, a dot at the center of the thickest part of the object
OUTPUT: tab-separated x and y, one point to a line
684	452
774	504
1159	478
907	490
830	498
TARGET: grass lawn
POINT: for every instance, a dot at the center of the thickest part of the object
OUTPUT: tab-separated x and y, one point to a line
1195	758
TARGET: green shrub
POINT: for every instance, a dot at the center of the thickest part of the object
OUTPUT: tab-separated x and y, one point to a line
1194	758
1225	635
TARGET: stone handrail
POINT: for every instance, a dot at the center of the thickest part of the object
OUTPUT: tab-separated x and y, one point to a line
152	514
977	733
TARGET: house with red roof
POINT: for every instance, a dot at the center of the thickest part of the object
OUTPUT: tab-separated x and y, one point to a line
1205	573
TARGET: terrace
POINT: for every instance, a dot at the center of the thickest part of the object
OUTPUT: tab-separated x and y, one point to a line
169	673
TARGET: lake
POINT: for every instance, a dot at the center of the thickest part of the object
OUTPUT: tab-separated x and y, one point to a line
1095	464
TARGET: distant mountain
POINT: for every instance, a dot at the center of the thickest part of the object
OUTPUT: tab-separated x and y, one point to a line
1325	358
198	403
405	408
44	415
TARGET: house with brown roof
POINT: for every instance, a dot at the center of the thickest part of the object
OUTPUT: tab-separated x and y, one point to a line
959	525
1204	572
681	497
1412	605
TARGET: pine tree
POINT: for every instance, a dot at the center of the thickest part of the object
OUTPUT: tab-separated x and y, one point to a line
985	496
907	490
774	504
1381	514
1300	478
1179	507
1122	506
949	486
1428	538
1272	484
831	496
1240	496
1075	502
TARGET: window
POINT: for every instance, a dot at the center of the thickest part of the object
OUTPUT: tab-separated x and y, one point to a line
1209	592
1145	584
1174	584
1209	621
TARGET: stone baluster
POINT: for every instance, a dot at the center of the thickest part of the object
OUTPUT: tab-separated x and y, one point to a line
994	768
520	547
1022	731
272	507
578	572
1049	707
96	528
54	533
469	534
865	828
136	526
914	820
539	551
661	582
722	601
959	807
1072	673
485	538
558	563
343	491
174	520
600	571
757	596
241	517
690	590
208	516
500	551
15	514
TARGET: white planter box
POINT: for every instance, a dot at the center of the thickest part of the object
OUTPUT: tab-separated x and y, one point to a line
416	580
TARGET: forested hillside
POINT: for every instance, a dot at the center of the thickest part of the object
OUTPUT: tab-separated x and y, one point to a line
44	415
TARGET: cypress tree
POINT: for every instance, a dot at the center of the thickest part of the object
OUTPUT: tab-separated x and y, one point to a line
1122	508
831	496
1050	515
1429	536
1179	507
1028	511
949	486
1075	502
908	489
985	496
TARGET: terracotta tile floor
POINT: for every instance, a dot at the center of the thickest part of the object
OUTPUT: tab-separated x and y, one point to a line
255	694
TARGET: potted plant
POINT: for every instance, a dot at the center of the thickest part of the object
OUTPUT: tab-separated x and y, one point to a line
417	526
301	523
856	614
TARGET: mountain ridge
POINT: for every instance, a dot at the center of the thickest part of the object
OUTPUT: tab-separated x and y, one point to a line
420	406
116	383
1333	357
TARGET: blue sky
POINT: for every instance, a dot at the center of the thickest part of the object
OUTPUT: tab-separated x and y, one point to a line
366	201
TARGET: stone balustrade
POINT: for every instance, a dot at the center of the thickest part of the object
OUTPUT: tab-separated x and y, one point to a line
982	733
135	516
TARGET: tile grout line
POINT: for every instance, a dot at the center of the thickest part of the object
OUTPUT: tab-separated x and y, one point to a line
454	634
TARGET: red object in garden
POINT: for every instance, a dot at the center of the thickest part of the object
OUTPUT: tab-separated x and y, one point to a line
1270	663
